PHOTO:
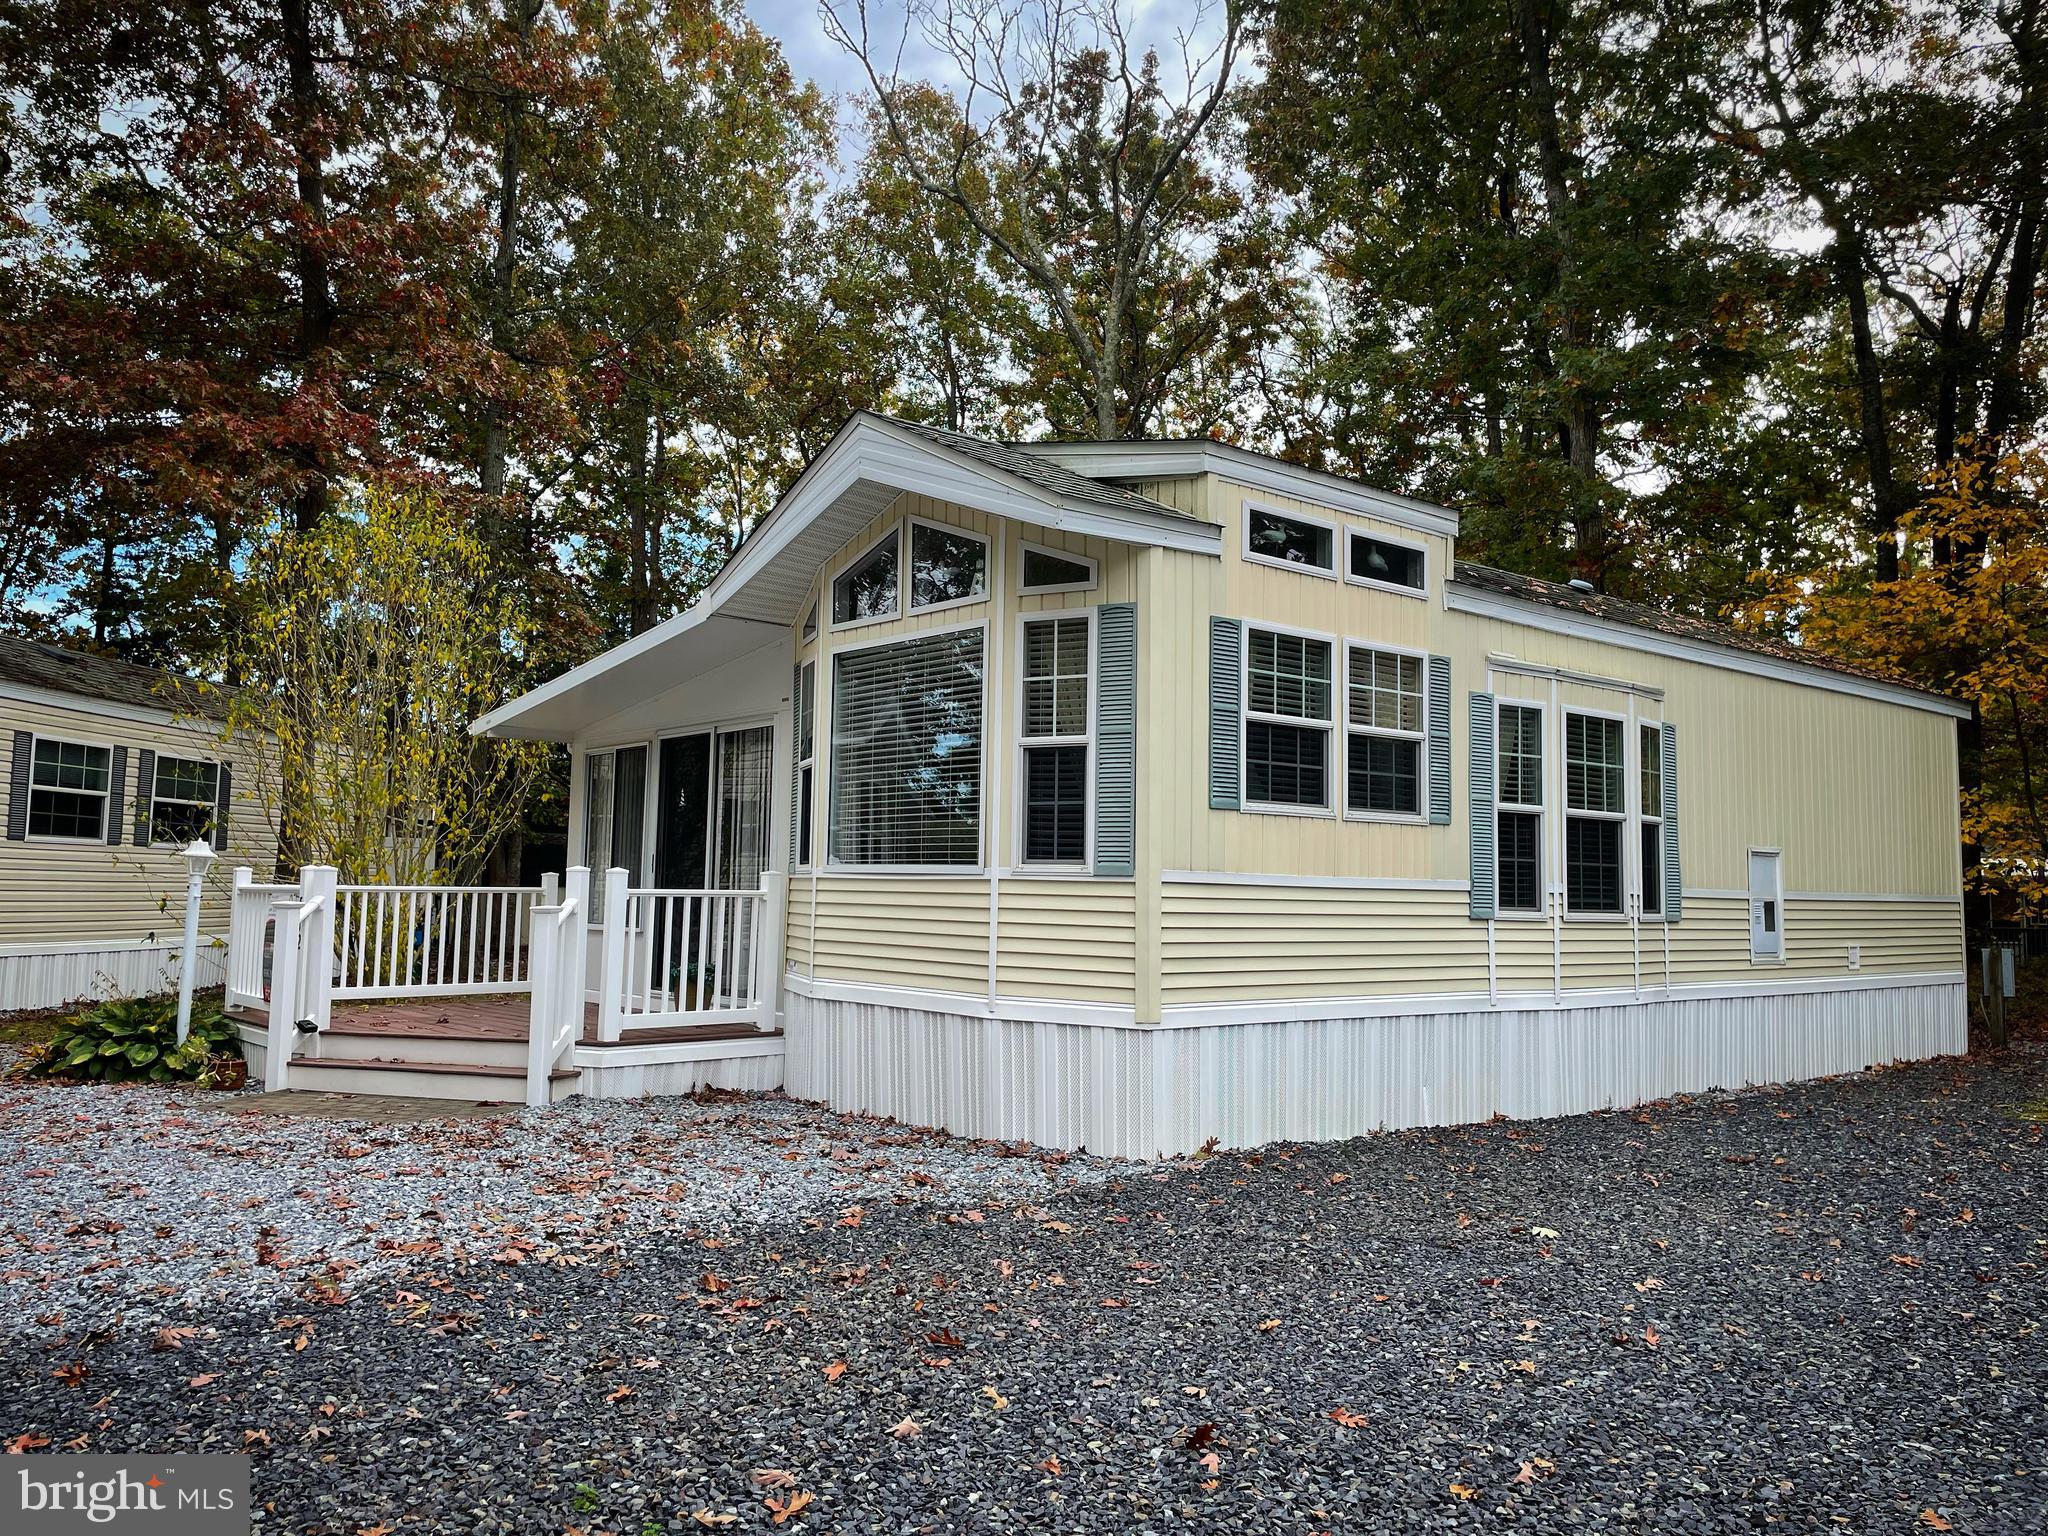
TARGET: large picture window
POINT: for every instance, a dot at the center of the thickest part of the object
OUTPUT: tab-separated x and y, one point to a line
1596	811
69	783
183	800
1054	737
1288	719
906	752
1519	817
1383	732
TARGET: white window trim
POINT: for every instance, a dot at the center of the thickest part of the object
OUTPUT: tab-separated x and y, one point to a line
1026	590
1644	819
1540	912
828	600
1351	533
979	868
111	798
1085	739
1308	520
1565	810
1777	858
908	559
1421	738
797	765
1246	715
156	767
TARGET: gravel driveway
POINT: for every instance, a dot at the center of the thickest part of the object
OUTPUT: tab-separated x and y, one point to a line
1816	1309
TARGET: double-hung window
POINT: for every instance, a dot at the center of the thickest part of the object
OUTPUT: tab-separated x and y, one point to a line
183	800
1383	732
69	785
906	751
1288	720
1596	814
806	759
1519	808
1055	737
1651	746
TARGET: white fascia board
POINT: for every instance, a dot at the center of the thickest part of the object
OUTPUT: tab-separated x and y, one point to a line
1584	626
1166	461
871	449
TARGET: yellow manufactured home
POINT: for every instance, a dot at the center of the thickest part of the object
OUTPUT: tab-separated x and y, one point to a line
113	768
1128	795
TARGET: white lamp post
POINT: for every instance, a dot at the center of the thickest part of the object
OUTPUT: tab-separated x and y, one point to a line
198	857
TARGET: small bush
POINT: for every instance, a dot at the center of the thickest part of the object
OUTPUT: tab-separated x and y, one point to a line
135	1040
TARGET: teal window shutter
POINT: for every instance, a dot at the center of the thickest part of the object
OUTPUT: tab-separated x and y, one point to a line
117	782
1440	741
1226	694
145	793
1479	780
1116	739
17	785
1674	878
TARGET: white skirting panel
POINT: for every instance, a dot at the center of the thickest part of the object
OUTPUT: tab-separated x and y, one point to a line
668	1079
52	978
1148	1092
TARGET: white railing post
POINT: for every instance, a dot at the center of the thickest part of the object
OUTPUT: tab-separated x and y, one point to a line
543	1004
612	985
550	890
576	889
318	882
239	937
768	948
284	996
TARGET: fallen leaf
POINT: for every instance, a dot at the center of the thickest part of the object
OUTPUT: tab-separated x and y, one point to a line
1350	1418
25	1442
1211	1463
1905	1260
1651	1336
705	1517
1933	1521
996	1398
783	1509
1465	1491
835	1370
1052	1465
1269	1325
774	1477
72	1375
906	1429
618	1393
206	1380
1526	1475
172	1338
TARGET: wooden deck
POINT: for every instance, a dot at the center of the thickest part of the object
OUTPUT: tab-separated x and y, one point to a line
491	1018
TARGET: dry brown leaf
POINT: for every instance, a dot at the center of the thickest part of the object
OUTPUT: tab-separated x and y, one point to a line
774	1477
618	1393
1465	1491
906	1429
1350	1418
1051	1464
1933	1521
784	1509
835	1370
1269	1325
706	1517
1526	1475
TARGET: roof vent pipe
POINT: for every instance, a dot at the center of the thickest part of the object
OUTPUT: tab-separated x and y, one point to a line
1580	584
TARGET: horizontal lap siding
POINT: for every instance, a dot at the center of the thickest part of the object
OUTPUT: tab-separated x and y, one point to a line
1525	959
903	932
1243	943
797	927
1070	939
1602	956
1896	936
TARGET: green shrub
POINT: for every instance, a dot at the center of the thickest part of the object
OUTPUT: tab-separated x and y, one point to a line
135	1040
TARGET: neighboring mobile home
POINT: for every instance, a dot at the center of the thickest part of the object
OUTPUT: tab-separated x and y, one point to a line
112	769
1134	794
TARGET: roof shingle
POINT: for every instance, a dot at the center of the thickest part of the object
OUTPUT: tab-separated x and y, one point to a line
33	664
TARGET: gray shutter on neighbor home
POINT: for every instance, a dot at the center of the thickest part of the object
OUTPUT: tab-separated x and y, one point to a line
1440	741
1479	779
223	807
1674	877
145	791
1116	739
796	747
1226	694
17	785
117	791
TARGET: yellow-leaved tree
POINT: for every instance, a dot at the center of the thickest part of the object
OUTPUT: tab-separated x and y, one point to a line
1968	616
367	648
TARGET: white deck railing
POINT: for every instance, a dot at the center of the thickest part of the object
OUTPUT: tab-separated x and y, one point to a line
555	1014
432	940
250	910
674	957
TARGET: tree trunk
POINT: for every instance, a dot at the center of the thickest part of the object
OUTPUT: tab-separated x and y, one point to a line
504	258
1887	498
316	288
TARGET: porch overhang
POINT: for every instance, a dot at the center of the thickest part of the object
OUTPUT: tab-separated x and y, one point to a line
756	597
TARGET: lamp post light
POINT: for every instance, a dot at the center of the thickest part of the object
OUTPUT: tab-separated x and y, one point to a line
198	857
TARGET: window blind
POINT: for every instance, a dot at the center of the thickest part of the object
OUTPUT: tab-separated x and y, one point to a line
906	752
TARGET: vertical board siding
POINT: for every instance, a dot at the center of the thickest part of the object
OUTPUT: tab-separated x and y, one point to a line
1145	1093
55	978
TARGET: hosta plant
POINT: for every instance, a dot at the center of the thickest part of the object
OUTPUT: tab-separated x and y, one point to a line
135	1040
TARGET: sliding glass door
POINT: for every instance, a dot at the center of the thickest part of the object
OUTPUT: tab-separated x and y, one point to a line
711	833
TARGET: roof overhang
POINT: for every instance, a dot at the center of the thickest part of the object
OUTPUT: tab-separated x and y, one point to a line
1460	598
763	586
1174	460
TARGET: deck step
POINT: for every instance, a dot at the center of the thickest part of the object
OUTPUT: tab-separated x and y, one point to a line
423	1079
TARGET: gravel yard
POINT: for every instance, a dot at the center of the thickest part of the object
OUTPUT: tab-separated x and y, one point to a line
1813	1309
